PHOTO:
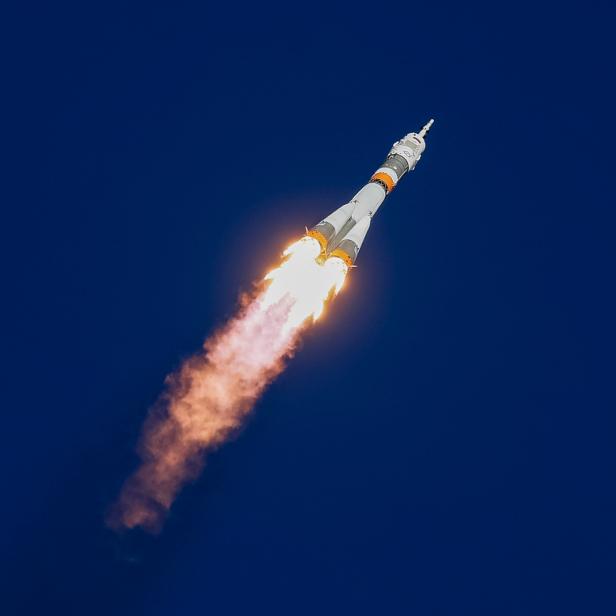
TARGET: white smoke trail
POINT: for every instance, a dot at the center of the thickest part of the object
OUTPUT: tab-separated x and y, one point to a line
209	397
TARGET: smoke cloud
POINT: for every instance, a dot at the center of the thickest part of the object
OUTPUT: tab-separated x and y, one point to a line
205	402
208	399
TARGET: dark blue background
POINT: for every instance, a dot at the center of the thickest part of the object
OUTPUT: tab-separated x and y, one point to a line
443	441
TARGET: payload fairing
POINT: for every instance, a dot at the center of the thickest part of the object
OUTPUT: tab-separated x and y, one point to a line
342	233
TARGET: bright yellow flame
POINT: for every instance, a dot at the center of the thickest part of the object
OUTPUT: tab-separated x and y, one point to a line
306	282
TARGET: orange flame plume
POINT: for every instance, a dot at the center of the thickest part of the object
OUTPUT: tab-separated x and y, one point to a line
208	399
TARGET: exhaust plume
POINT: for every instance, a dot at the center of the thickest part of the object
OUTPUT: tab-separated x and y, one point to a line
209	397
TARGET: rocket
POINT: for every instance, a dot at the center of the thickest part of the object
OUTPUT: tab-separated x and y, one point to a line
342	233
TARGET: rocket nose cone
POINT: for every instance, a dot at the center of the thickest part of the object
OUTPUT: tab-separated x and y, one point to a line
424	131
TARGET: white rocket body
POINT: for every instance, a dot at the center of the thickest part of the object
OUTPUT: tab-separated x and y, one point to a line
342	233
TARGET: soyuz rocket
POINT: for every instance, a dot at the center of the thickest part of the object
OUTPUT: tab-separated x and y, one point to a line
342	233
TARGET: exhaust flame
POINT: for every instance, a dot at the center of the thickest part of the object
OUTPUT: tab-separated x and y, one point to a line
307	282
209	397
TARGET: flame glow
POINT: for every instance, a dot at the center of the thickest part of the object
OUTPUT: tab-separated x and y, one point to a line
209	397
305	280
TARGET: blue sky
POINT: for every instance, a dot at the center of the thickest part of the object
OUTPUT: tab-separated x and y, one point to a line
442	442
